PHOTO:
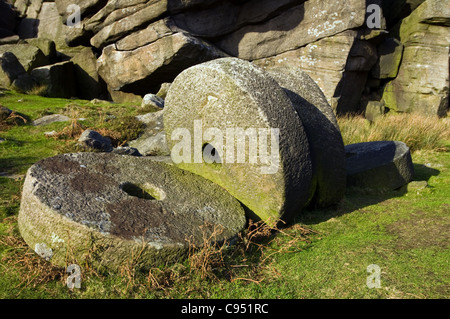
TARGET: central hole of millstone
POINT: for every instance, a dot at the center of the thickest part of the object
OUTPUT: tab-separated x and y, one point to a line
137	191
210	154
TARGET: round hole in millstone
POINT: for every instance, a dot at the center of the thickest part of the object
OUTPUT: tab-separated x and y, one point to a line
210	154
145	191
136	191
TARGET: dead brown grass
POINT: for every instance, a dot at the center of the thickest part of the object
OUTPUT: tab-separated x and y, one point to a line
419	132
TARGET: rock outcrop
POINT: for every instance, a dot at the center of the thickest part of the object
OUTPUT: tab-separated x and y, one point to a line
393	53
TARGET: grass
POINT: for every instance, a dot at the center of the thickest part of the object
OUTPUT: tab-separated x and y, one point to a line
419	132
323	254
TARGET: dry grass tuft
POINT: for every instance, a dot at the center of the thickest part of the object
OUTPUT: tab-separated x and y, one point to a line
419	132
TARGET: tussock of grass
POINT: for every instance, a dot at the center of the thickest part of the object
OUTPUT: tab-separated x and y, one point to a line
419	132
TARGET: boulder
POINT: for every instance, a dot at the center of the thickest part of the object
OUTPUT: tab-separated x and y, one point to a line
383	166
13	75
86	7
390	54
97	21
339	65
47	46
57	79
294	28
128	23
94	140
213	109
53	28
87	80
144	69
106	209
324	136
28	55
153	32
153	141
422	84
228	16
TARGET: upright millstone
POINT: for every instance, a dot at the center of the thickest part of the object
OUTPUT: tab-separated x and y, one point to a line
324	135
229	121
109	210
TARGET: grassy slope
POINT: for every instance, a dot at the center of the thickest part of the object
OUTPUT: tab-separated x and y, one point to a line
405	232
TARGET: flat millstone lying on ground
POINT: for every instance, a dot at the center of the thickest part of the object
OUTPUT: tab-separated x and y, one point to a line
324	135
230	93
112	209
384	165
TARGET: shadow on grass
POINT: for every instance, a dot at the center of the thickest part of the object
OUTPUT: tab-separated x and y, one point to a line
356	199
16	165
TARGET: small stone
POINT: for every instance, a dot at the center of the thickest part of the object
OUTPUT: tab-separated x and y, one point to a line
152	101
48	119
94	140
416	186
125	150
50	134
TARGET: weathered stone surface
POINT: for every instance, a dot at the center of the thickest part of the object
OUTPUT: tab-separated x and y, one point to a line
296	27
28	55
124	97
374	109
129	23
10	69
209	99
53	28
143	70
153	32
338	64
28	26
382	166
227	16
47	47
153	141
121	207
153	101
94	140
48	119
57	79
86	6
324	136
422	83
86	76
96	22
390	54
13	74
126	150
394	11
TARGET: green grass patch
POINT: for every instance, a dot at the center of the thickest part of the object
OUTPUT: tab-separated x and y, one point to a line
324	254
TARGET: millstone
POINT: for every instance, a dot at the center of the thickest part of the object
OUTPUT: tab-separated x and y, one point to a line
209	101
111	209
385	165
323	132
